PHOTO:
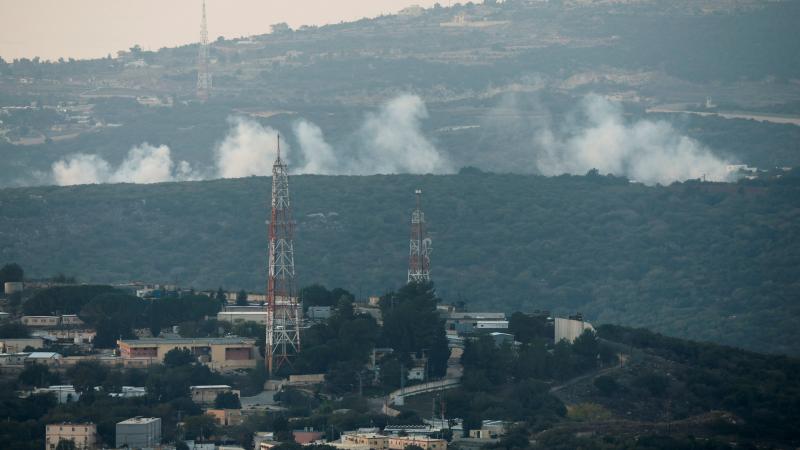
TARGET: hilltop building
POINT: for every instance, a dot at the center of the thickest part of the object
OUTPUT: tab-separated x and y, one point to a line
221	354
83	435
206	394
570	328
139	432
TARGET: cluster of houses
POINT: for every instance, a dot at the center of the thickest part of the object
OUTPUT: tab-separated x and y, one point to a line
234	353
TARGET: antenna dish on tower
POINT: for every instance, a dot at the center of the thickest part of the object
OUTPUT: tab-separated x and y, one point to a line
420	246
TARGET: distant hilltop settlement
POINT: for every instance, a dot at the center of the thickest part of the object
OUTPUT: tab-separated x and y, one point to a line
60	343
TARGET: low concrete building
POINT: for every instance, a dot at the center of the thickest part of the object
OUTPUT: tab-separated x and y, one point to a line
71	320
66	320
569	329
139	433
307	380
129	392
20	344
411	430
501	339
259	317
12	287
416	373
369	441
262	436
226	417
307	436
490	429
67	335
64	393
83	435
401	442
470	322
13	359
219	354
40	321
50	359
319	313
205	395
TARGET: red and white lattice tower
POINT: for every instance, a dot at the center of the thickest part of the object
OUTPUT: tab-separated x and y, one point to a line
283	312
203	75
420	248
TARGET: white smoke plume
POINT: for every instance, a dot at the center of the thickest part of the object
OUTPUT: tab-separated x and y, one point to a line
81	169
393	142
389	140
248	149
651	152
318	154
143	164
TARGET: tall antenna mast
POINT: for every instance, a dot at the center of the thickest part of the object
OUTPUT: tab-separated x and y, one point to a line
419	260
283	312
203	76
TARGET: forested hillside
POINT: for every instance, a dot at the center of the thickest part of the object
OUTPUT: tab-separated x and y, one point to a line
706	261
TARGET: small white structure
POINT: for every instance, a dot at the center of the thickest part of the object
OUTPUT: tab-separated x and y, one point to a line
416	373
492	325
130	392
139	432
570	329
259	317
46	358
63	393
12	287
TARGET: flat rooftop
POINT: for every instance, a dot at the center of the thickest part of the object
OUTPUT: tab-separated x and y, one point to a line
189	341
138	420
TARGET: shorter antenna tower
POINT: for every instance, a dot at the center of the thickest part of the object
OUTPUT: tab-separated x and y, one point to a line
419	253
203	75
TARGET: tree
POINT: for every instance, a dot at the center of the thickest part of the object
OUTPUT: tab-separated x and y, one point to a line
11	273
411	324
14	331
63	299
65	444
179	357
606	385
38	375
241	298
85	375
227	400
199	427
280	428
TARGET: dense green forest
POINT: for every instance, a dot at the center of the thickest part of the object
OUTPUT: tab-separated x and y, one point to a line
708	261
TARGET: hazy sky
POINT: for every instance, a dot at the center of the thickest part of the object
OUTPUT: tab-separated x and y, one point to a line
93	28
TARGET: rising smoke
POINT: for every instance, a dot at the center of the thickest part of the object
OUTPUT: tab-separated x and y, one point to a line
318	155
248	149
390	140
143	164
651	152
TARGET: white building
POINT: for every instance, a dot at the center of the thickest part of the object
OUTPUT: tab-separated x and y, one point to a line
259	317
139	432
570	329
64	393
